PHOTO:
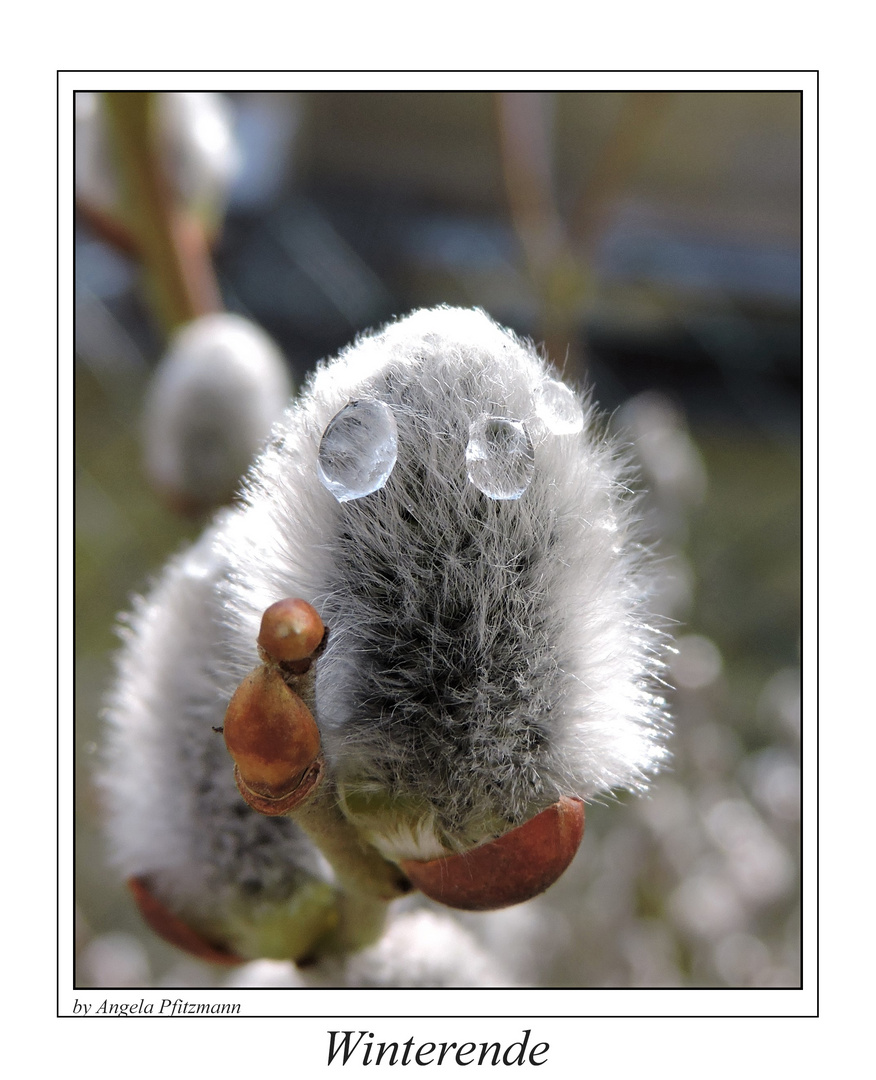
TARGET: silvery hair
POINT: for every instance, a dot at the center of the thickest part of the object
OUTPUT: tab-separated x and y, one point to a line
486	591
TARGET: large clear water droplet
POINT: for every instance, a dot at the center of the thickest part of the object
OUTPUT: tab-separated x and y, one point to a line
500	457
559	408
358	450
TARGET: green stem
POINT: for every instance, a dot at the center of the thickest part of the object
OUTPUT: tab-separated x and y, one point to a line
361	869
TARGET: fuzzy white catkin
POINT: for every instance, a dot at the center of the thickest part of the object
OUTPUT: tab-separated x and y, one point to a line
485	656
211	404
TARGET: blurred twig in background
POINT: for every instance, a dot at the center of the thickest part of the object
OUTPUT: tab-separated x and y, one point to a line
615	167
168	237
559	254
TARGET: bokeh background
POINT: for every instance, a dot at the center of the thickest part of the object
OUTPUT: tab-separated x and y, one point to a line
652	242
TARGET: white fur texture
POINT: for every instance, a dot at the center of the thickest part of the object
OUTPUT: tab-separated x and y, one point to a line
484	656
174	815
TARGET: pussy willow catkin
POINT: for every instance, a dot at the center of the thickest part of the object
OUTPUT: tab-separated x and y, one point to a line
466	531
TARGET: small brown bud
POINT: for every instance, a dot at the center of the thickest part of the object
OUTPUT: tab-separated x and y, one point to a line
271	734
290	630
509	870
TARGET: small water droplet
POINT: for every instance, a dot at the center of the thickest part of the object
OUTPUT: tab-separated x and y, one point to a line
358	450
500	457
559	408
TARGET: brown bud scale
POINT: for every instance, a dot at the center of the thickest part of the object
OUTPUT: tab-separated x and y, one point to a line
270	733
172	929
284	804
509	870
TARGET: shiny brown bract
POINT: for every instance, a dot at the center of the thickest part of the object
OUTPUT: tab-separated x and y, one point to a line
509	870
172	928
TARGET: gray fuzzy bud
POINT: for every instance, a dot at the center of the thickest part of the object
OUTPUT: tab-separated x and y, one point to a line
490	647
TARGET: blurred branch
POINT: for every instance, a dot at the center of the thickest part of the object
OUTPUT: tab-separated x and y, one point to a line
559	281
615	166
108	228
528	172
559	255
171	242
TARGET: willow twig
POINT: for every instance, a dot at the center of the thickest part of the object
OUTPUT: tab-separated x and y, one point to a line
170	241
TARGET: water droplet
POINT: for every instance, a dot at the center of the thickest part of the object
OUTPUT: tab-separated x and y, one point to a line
559	408
358	450
500	458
